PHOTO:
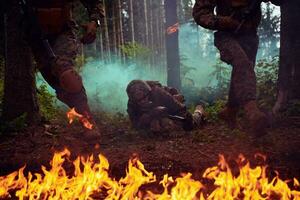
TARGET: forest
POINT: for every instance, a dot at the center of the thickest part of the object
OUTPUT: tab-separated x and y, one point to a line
155	40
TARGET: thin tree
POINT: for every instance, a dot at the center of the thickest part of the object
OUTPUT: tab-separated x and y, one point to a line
131	21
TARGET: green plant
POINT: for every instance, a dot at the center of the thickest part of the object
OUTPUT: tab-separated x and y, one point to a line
47	102
220	75
267	72
133	50
213	110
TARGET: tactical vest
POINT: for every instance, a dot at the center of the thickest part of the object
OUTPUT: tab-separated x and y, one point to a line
52	15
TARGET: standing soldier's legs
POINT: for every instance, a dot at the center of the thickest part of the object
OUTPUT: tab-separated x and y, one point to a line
233	50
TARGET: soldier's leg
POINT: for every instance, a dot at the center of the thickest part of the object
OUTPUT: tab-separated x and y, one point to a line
242	68
44	64
243	77
70	90
250	43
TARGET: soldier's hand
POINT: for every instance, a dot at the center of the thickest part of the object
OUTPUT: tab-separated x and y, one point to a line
90	32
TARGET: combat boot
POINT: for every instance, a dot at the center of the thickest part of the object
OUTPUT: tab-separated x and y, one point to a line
199	116
229	115
257	120
90	128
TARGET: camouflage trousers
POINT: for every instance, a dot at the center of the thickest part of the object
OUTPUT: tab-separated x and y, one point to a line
65	46
240	52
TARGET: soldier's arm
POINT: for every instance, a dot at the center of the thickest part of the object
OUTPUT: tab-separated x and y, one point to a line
203	13
167	100
95	9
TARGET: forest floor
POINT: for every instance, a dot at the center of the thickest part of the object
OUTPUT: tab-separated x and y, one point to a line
171	153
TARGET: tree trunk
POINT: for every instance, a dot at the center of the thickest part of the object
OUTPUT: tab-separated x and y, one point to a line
139	34
173	63
289	66
146	31
114	22
131	21
120	28
106	33
19	89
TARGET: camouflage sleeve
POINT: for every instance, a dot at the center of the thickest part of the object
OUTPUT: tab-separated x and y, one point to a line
203	13
95	9
167	100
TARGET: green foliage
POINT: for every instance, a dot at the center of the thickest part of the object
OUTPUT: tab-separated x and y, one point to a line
220	75
213	110
47	102
184	71
216	89
267	73
134	50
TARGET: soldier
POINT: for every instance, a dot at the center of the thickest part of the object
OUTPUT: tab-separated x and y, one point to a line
236	22
55	21
159	108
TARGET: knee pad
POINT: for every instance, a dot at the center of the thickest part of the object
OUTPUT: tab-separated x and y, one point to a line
70	81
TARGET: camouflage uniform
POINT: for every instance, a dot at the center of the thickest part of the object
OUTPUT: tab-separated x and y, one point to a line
55	18
151	105
237	49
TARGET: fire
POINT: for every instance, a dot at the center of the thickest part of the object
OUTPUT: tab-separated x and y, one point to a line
72	115
91	180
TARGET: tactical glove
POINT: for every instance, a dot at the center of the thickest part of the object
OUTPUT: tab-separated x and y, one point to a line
90	32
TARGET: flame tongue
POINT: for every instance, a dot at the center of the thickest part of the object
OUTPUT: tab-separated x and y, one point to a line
91	177
73	115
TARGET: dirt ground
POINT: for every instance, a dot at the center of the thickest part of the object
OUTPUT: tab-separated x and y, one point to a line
171	153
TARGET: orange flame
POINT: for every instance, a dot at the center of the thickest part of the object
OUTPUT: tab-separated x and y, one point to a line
91	178
72	115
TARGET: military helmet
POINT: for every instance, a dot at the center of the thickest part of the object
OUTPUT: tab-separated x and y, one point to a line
137	90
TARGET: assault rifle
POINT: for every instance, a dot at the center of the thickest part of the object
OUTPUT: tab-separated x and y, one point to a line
33	29
247	13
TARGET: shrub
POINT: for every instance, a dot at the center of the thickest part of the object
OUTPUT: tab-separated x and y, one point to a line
47	102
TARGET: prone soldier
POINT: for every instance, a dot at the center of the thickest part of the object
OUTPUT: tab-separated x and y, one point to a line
236	23
160	108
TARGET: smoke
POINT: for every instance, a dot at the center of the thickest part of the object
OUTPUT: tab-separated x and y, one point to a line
197	52
106	83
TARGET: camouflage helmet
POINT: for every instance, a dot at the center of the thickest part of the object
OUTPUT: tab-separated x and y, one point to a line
138	90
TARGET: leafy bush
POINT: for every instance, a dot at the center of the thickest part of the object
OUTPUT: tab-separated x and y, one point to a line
217	88
133	50
213	110
47	102
267	73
